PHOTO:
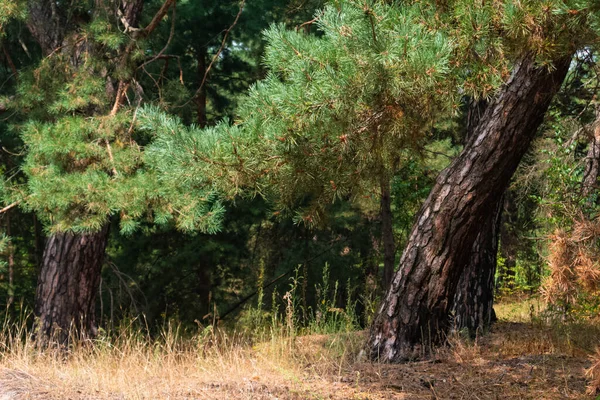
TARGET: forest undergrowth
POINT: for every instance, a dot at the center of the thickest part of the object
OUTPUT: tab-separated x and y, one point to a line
525	356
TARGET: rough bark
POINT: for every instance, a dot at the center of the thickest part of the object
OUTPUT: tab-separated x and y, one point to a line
415	310
387	234
474	300
67	286
46	24
473	307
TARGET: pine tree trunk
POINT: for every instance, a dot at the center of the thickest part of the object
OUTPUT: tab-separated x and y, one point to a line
591	172
474	300
67	286
415	310
473	307
201	97
387	234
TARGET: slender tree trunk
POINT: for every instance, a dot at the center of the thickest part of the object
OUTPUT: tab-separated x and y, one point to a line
415	310
11	265
387	234
204	289
589	185
201	97
67	286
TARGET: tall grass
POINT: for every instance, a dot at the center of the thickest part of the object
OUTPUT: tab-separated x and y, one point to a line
130	362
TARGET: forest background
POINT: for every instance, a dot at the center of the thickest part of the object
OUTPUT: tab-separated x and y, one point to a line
125	124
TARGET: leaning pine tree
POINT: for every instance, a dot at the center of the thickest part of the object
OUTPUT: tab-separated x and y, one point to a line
337	111
539	37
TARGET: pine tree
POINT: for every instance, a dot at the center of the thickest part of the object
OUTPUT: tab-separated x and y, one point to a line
75	111
82	163
539	37
336	116
300	140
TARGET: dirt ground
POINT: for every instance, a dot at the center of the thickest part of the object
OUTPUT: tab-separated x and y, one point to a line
516	361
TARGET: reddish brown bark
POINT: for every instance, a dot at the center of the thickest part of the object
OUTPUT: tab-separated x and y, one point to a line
473	307
415	310
67	286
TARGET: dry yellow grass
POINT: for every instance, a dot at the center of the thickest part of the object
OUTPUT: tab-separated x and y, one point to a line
520	359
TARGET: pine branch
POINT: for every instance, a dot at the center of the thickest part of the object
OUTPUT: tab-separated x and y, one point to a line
171	34
10	206
121	90
128	27
308	23
157	18
110	156
124	84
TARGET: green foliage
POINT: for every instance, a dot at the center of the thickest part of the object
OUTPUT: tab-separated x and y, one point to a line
9	11
4	243
327	317
336	113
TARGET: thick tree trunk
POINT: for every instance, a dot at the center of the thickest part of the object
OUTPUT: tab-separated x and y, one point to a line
415	310
474	300
473	307
387	234
67	286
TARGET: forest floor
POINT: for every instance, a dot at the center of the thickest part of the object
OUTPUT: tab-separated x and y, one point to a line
522	358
